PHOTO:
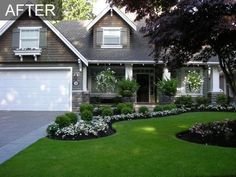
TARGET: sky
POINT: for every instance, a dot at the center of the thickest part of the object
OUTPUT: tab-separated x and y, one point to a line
99	5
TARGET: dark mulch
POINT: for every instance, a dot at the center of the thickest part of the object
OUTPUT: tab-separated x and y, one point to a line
188	136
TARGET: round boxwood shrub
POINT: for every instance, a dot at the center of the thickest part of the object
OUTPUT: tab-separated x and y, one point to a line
164	107
126	110
120	106
221	99
143	109
184	101
86	106
73	117
167	107
200	100
107	111
158	108
63	121
87	115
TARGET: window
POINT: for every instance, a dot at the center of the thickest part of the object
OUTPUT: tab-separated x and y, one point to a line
29	38
193	81
111	37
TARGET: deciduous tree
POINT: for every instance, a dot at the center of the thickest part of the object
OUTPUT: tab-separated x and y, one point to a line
190	30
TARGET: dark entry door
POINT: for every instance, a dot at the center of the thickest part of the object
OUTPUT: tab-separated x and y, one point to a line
143	91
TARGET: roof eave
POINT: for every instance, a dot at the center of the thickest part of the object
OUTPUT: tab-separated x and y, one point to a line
121	14
9	23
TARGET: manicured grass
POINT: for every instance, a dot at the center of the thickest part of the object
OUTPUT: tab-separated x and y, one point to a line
141	148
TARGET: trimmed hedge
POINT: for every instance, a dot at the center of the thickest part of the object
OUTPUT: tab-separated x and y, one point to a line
107	111
86	106
87	115
126	110
73	117
184	101
143	109
221	99
200	100
120	106
63	121
164	107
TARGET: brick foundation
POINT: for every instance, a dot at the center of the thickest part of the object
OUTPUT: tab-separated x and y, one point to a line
79	97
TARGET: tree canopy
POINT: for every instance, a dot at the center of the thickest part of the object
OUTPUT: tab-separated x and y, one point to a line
77	10
190	30
71	9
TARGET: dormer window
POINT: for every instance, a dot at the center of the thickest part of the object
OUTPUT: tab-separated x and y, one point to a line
29	38
111	37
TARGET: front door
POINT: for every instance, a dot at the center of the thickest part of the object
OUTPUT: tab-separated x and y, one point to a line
143	91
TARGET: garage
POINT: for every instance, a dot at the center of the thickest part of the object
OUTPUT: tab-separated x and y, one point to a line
36	89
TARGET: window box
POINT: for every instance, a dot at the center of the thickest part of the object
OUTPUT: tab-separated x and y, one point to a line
28	52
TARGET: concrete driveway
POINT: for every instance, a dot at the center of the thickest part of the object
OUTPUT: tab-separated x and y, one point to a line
16	124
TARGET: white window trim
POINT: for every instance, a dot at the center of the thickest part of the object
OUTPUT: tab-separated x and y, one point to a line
111	46
29	28
118	46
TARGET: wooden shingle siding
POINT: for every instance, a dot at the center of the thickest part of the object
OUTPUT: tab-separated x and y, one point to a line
111	21
55	50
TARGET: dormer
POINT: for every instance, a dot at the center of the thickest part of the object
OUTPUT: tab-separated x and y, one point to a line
111	29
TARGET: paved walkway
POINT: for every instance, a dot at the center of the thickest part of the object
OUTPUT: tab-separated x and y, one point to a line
18	130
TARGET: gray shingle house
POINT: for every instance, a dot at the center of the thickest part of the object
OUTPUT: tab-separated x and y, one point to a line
53	67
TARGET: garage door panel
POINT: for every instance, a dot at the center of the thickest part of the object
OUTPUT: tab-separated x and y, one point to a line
35	90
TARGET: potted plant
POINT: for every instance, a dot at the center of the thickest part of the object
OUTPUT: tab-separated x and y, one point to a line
106	81
167	90
127	89
194	81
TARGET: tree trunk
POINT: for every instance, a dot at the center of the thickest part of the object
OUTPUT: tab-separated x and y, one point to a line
229	76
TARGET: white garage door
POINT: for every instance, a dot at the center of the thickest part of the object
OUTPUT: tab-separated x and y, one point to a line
35	89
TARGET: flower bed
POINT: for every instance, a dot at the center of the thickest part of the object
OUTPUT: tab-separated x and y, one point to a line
102	126
221	133
81	130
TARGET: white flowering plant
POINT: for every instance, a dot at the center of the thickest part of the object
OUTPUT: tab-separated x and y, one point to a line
193	81
106	81
216	133
101	126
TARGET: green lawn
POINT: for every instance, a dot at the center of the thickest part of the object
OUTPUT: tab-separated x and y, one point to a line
141	148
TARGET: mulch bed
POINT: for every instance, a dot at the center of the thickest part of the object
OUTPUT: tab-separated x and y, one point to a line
188	136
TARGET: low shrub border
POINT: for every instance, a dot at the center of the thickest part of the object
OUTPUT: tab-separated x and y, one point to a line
102	126
220	133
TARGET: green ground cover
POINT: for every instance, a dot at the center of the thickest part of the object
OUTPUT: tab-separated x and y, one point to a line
140	148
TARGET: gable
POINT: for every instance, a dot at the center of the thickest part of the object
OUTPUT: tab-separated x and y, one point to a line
111	20
112	10
26	21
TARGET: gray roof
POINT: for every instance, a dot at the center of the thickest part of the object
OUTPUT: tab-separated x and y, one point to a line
139	51
76	33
